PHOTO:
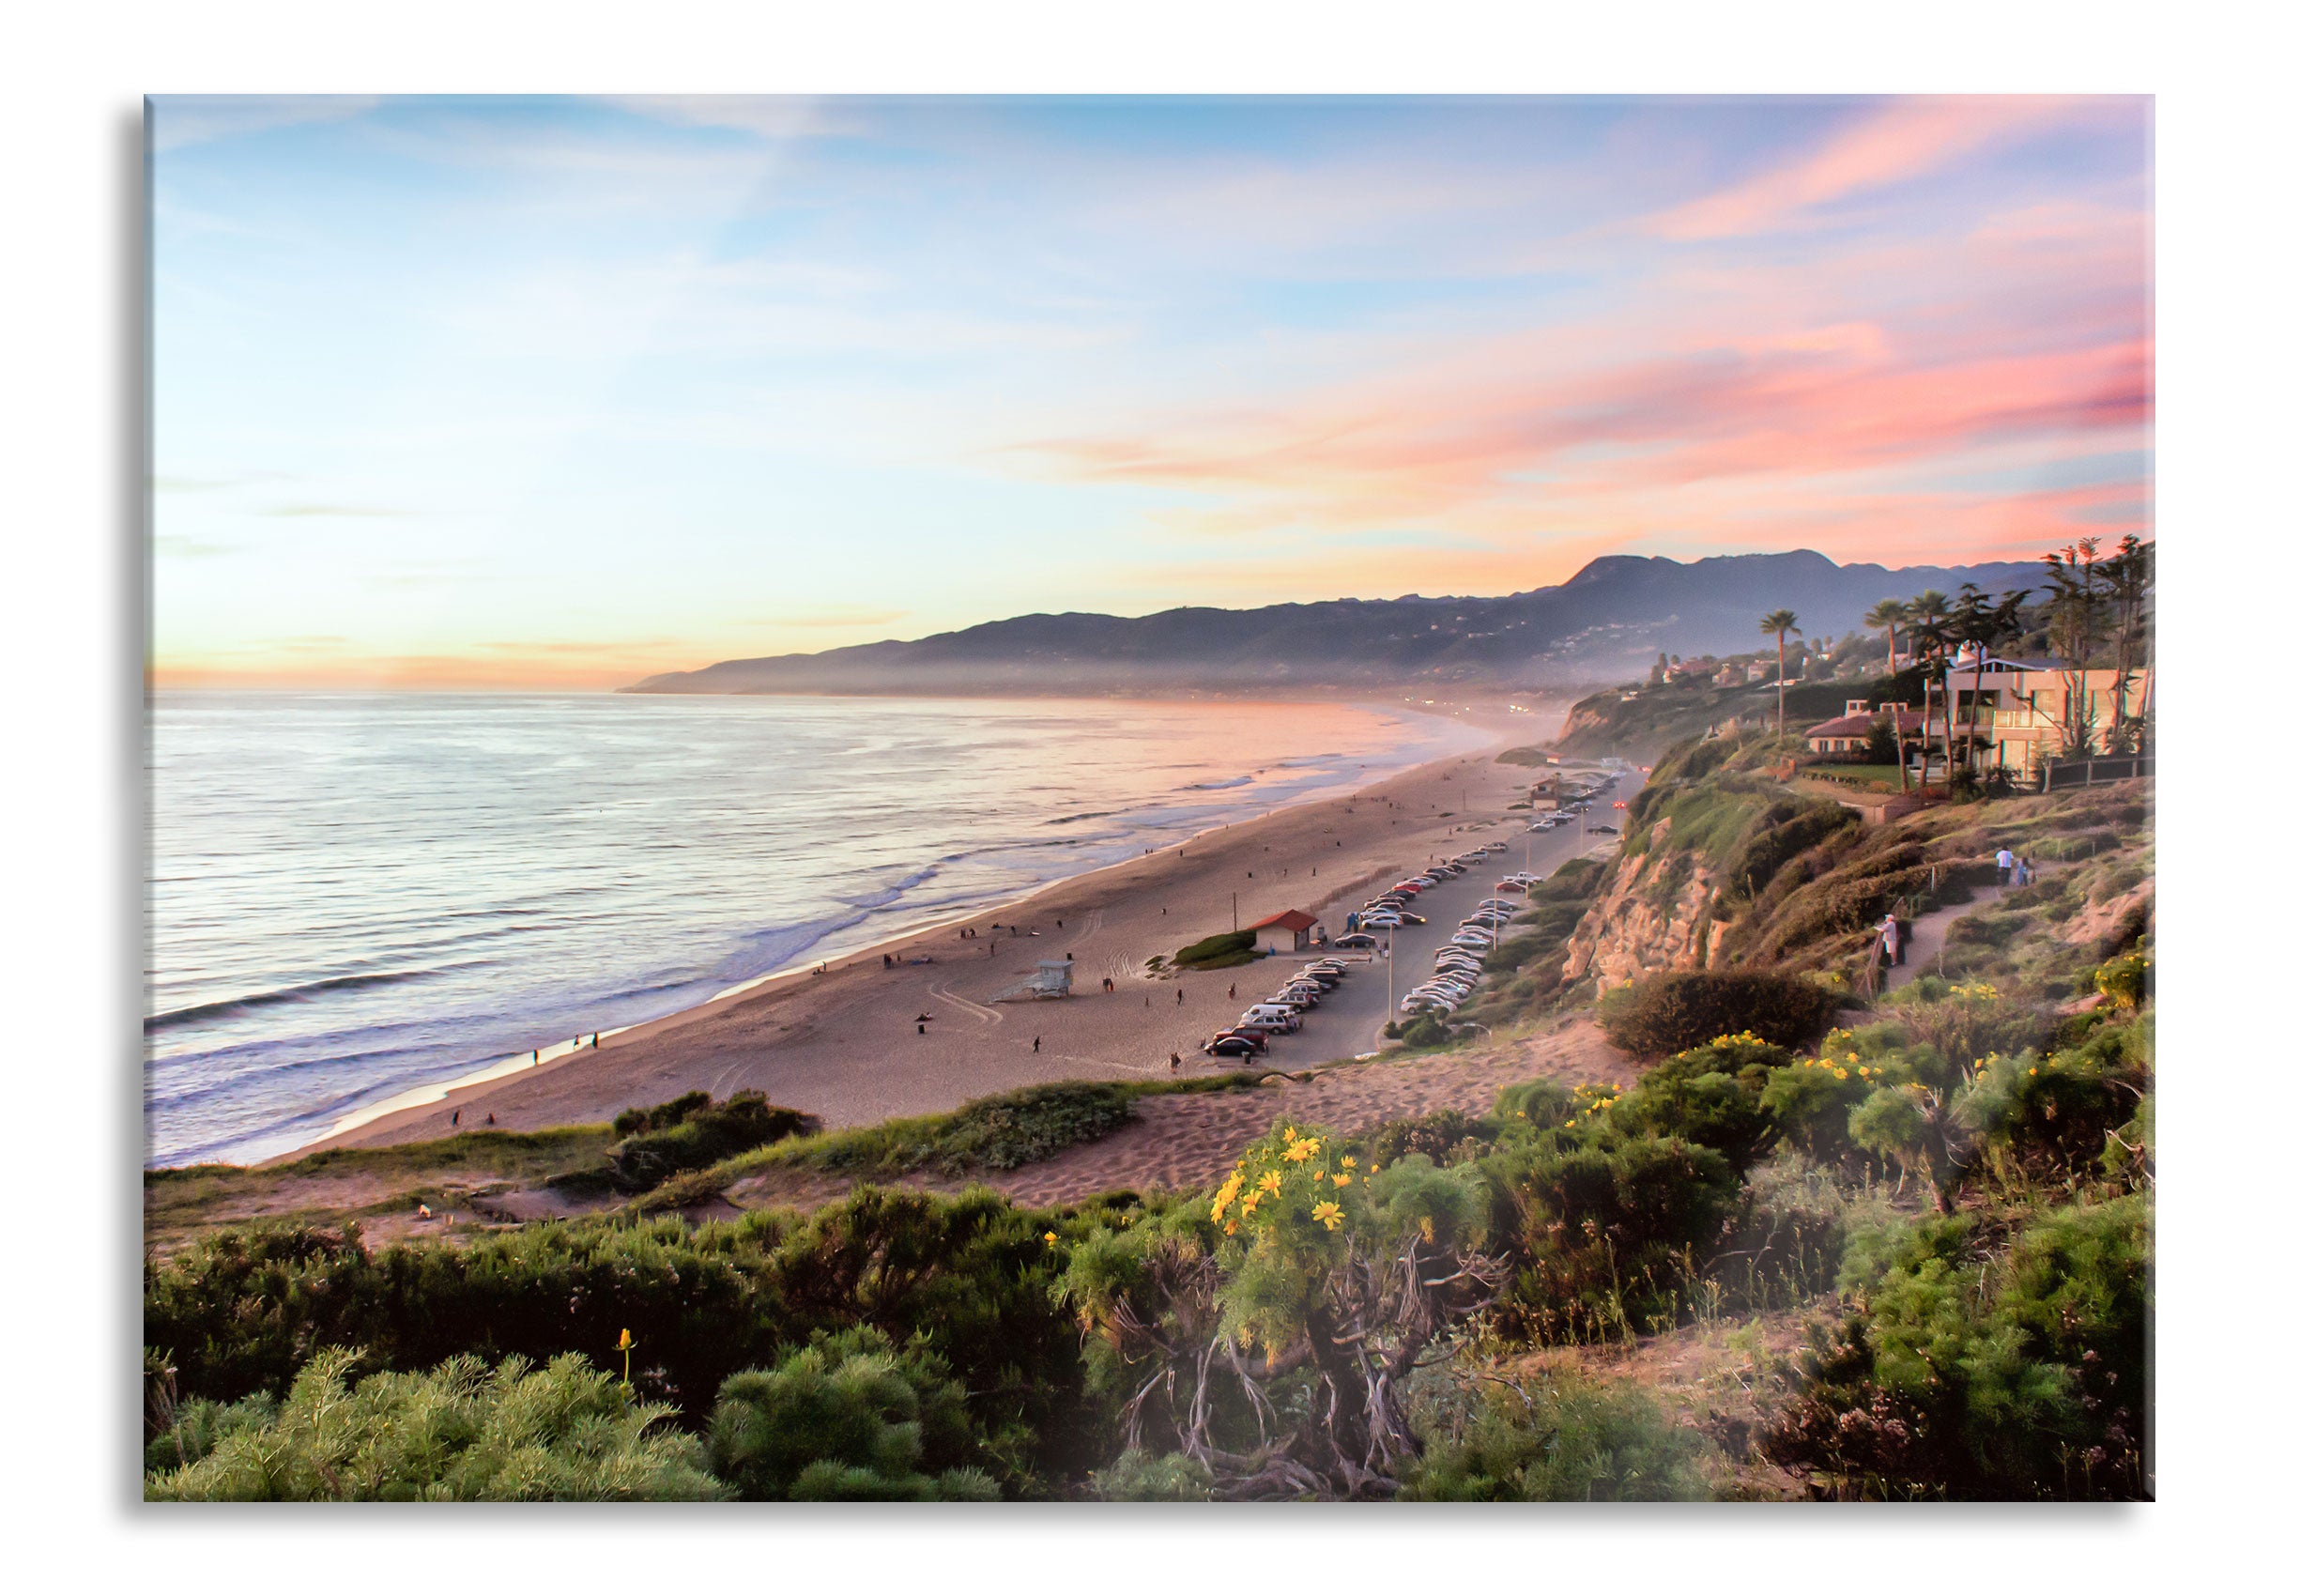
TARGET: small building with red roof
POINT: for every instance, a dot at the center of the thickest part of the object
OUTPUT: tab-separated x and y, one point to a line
1289	932
1848	733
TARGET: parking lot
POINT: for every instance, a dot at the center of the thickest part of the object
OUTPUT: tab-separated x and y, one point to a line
1348	1020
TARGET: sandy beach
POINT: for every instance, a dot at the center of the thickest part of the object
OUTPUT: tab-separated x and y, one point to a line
847	1044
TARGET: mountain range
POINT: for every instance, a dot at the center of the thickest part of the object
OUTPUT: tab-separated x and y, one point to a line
1605	624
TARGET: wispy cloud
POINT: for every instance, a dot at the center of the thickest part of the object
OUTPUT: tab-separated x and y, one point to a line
355	512
173	547
180	120
1905	140
768	117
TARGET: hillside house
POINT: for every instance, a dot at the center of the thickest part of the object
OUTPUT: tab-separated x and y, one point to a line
2018	715
1292	931
1848	733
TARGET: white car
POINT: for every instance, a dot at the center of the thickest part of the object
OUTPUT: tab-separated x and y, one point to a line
1381	922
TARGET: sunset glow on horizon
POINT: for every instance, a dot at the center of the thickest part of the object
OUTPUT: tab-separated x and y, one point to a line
543	393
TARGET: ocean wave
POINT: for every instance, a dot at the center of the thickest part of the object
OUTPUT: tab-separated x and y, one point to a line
1219	786
1089	815
303	992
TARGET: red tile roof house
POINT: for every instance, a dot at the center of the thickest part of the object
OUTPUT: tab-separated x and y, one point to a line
1849	732
1288	932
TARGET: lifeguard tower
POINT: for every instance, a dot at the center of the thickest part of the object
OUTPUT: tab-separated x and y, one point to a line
1052	980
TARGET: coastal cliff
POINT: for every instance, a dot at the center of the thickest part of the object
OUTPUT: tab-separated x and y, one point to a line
1658	912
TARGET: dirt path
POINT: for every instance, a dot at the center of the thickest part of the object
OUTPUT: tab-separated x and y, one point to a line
1928	933
1187	1141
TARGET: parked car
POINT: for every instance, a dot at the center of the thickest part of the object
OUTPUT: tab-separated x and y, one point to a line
1358	940
1603	831
1235	1047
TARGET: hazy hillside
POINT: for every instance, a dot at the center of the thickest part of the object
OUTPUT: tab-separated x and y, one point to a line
1605	624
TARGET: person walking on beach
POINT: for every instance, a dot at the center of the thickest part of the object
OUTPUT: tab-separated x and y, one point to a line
1233	992
1177	994
456	1118
1034	1041
491	1119
1174	1064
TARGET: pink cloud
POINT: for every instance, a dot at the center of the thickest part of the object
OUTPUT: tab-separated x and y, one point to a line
1907	139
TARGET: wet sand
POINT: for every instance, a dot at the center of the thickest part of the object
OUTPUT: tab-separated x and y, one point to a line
848	1045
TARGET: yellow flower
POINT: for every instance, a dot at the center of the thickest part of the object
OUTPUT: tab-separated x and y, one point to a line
1051	1238
1269	1182
1317	1175
1251	1201
1329	1215
1288	1133
1301	1150
1348	1162
1375	1170
1231	1229
1342	1181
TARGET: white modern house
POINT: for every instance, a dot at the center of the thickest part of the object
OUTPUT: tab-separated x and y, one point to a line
2018	715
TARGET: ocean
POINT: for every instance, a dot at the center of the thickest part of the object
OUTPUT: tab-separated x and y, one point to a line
357	898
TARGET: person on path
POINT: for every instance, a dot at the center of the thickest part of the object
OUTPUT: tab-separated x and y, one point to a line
1233	992
491	1119
456	1118
1034	1043
1173	1063
2004	865
1177	994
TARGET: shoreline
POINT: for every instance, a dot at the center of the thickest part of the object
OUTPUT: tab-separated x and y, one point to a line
687	1048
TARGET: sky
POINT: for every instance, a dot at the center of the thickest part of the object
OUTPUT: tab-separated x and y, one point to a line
546	393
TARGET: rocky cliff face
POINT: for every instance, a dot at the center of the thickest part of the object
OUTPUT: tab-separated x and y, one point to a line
1658	914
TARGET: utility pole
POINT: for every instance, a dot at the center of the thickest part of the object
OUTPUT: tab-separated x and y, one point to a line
1233	911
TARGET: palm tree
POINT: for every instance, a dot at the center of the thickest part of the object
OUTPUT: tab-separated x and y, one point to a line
1887	617
1778	625
1927	618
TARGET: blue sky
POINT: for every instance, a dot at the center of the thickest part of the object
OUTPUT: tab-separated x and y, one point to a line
560	392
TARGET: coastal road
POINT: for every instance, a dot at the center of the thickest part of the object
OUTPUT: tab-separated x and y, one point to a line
1350	1019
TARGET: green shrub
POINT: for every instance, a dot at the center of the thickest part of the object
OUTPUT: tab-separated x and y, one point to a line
848	1420
1608	1229
1552	1438
1666	1014
1978	1378
2128	982
1138	1476
1442	1137
241	1311
1540	1105
1219	951
1710	1095
459	1432
702	1134
1427	1032
662	1117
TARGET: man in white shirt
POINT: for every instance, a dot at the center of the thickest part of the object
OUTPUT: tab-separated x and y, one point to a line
2004	865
